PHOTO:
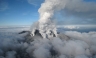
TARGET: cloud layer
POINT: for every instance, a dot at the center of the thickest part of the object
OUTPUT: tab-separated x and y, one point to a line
71	45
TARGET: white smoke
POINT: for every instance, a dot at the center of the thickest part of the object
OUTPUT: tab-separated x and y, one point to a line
49	7
46	11
74	45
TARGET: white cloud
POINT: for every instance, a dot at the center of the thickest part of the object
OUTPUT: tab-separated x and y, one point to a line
80	45
71	27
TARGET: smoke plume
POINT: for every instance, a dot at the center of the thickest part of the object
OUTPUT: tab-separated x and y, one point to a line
69	7
46	11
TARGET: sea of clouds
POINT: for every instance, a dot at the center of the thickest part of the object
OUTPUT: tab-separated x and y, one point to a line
79	45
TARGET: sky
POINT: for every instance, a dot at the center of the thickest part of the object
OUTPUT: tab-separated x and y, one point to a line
18	12
25	12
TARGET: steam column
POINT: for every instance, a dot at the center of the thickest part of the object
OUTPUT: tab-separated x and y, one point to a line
46	27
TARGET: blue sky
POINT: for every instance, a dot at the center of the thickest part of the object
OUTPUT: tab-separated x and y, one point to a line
25	12
18	12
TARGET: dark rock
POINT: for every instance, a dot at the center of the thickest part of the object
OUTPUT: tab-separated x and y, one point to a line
37	33
23	32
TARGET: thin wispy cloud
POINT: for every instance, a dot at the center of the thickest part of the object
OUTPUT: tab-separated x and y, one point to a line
3	5
35	2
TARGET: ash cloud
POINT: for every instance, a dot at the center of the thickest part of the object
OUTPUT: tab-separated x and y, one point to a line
77	12
81	8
